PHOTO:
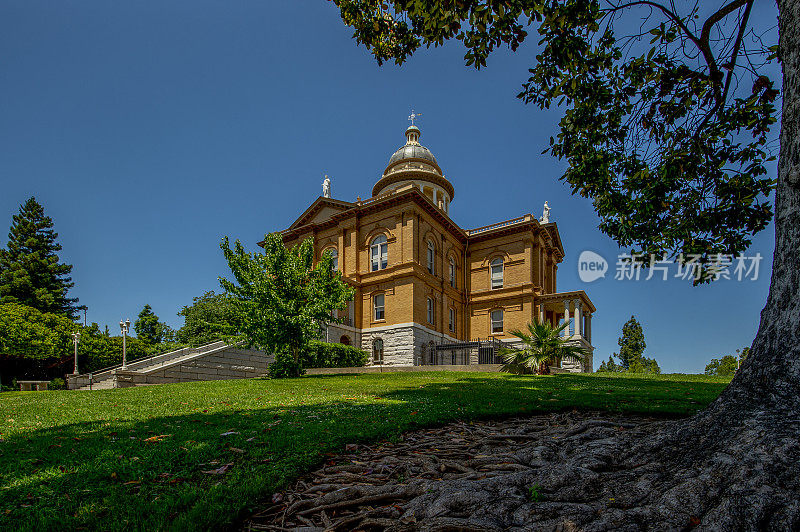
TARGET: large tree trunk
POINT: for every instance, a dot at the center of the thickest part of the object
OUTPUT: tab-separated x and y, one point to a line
770	376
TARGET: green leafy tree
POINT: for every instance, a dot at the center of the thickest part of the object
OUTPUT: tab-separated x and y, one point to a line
33	344
610	366
724	366
30	271
283	299
97	350
210	317
540	346
728	364
668	136
645	365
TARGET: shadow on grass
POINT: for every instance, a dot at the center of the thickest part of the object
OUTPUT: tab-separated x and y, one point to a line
201	469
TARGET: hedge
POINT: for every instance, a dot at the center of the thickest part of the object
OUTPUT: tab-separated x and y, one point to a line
331	355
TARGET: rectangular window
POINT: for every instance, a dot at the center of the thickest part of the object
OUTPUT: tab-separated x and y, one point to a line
380	256
497	321
452	273
430	311
379	305
431	254
452	325
496	273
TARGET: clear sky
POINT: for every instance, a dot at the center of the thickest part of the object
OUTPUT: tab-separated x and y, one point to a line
150	130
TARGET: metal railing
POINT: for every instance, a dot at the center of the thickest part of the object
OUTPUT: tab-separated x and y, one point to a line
95	377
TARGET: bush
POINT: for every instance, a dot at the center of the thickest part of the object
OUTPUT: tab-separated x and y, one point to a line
284	367
57	384
318	355
331	355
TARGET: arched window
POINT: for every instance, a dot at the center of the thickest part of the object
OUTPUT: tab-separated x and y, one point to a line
378	303
344	340
334	254
452	272
430	311
431	257
377	351
379	253
451	325
497	321
496	273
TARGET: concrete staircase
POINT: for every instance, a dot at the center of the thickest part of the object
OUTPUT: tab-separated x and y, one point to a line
216	360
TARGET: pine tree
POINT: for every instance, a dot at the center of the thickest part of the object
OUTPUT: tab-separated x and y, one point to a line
30	271
147	326
631	343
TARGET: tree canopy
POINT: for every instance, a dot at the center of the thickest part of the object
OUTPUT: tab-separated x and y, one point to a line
727	365
283	299
209	318
660	129
30	270
149	329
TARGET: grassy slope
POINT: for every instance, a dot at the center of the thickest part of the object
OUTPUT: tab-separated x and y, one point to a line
83	459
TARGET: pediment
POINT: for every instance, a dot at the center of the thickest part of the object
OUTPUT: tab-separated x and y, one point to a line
322	210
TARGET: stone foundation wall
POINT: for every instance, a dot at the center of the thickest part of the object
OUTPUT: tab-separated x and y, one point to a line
403	345
336	331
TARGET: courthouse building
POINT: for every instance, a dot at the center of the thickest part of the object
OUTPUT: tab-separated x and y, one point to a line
428	291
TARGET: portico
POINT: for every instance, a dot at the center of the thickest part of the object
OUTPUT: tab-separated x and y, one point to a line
573	308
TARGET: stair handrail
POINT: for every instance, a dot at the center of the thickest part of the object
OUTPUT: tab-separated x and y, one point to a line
108	370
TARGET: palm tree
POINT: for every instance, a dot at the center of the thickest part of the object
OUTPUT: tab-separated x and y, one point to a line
541	345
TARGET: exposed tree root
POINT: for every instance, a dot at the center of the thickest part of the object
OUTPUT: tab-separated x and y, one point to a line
574	471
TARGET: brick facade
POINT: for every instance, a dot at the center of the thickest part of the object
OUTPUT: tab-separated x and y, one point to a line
412	213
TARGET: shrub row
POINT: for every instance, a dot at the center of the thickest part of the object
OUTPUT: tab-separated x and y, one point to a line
318	355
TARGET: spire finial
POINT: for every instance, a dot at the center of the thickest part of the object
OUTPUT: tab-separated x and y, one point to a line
413	116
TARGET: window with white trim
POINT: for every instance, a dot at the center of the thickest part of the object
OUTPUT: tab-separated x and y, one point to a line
497	321
452	272
452	324
431	315
496	273
431	257
333	254
379	253
378	304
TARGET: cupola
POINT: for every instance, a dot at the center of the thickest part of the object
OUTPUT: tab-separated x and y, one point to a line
414	164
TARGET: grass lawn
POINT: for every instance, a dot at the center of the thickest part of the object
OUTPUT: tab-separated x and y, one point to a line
198	455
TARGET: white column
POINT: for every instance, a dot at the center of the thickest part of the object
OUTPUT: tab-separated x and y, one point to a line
589	327
566	318
577	311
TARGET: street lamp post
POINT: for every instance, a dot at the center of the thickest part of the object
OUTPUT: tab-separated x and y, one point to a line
76	336
124	326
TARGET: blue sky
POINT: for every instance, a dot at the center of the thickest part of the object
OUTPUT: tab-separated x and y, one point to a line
150	130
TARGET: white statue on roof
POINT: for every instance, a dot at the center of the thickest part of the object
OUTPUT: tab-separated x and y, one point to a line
545	214
326	187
